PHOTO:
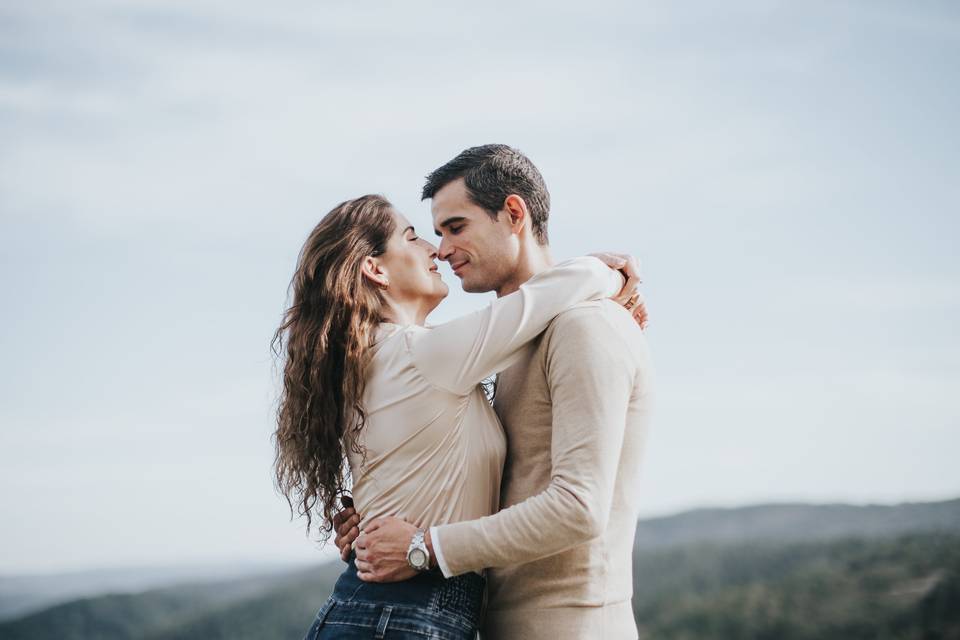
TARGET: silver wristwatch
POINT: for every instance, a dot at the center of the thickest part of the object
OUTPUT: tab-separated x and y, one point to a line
418	556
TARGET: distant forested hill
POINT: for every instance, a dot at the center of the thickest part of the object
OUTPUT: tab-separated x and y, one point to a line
257	606
779	572
904	588
795	523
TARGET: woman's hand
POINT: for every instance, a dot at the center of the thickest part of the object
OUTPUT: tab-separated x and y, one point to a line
629	297
382	550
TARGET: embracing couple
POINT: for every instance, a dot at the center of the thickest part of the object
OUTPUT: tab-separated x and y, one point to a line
513	517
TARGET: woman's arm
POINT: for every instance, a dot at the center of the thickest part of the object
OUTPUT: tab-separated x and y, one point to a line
459	354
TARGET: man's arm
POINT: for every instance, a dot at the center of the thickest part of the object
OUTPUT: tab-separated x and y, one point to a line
591	376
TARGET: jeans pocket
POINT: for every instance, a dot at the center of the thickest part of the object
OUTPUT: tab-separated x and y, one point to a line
314	630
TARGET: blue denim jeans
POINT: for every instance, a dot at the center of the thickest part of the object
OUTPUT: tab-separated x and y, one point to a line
425	606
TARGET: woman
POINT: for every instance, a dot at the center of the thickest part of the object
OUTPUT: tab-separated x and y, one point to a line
365	380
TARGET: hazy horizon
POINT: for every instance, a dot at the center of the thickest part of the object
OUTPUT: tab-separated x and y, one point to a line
211	567
786	173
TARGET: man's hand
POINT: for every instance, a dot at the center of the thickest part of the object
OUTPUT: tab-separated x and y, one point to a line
345	523
382	550
629	297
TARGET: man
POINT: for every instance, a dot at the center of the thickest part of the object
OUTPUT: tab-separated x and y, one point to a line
575	409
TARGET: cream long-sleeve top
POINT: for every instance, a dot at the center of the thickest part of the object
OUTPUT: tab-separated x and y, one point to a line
432	448
576	408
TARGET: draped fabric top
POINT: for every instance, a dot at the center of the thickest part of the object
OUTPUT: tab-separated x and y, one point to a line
432	448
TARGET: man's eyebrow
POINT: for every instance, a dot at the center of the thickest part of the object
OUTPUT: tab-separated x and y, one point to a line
447	223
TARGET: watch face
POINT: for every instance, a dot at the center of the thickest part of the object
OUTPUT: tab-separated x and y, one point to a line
418	558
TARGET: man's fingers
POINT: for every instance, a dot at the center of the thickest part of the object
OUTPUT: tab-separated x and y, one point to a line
347	528
364	567
342	524
373	525
363	555
352	535
345	514
368	576
349	520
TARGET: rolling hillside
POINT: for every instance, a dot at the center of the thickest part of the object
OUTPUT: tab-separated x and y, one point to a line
779	571
795	523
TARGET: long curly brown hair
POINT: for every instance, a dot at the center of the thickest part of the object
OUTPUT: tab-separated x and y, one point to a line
326	334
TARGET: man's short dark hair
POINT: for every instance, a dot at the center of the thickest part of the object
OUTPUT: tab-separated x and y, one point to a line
491	173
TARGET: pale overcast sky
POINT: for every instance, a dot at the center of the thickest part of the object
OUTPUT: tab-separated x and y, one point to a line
787	172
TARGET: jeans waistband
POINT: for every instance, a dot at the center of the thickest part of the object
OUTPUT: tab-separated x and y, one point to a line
462	594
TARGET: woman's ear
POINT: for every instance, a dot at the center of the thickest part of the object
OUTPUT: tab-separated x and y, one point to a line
373	271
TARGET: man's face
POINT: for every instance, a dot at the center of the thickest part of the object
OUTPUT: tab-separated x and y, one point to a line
482	251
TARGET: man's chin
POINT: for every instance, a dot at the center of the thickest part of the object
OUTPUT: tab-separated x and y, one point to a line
471	286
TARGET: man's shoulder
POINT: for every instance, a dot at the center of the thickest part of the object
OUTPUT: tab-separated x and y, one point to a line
593	329
593	316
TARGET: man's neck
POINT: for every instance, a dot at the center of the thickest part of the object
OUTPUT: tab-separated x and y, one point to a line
532	261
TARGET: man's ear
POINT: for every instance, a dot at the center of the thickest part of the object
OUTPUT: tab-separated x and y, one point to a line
373	271
516	208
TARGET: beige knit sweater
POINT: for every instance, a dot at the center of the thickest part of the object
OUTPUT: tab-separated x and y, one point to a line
575	409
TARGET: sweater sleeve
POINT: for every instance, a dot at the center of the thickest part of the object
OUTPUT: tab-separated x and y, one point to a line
459	354
591	379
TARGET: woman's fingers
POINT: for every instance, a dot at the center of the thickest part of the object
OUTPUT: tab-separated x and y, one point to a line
629	289
640	315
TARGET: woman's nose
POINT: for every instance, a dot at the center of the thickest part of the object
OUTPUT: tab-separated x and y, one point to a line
431	248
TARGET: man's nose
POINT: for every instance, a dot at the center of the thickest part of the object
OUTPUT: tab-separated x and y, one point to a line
445	250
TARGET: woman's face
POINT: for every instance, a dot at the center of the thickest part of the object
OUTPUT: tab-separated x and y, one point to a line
409	264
